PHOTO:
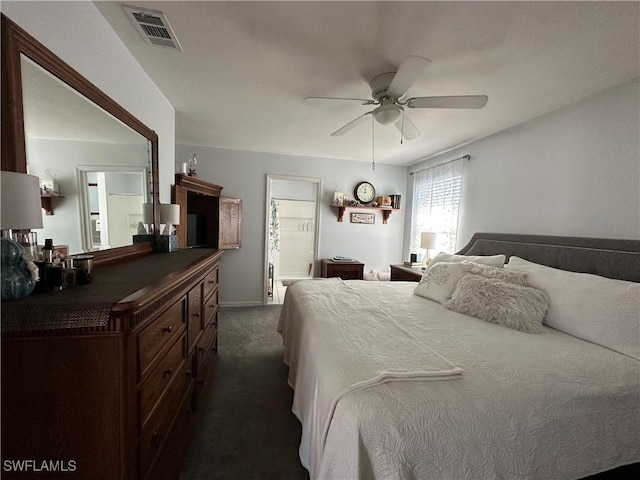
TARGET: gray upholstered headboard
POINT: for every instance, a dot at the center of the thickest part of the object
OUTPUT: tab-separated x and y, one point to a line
606	257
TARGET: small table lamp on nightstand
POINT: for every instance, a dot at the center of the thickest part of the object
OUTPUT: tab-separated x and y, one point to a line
428	242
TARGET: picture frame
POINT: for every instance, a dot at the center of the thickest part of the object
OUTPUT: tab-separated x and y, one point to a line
366	218
338	198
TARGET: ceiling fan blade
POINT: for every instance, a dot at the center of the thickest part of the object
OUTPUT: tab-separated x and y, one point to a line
351	125
408	130
410	69
460	101
337	100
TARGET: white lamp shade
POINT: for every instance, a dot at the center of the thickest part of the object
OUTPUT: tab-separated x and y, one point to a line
147	213
170	213
21	206
428	240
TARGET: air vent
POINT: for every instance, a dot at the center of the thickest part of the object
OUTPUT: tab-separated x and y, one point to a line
153	26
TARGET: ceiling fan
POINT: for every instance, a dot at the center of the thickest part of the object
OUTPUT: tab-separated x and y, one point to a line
388	91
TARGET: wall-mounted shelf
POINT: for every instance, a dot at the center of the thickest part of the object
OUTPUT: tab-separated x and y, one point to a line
386	211
47	203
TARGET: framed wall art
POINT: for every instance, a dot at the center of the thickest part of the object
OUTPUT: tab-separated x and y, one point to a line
363	218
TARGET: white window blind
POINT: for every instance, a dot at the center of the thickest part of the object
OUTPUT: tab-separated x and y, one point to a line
436	199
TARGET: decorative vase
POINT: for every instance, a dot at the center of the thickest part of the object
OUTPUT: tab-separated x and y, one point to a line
15	279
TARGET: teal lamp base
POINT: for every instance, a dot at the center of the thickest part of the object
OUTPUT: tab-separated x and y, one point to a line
15	279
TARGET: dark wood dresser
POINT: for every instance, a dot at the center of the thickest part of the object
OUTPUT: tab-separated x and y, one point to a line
105	378
352	270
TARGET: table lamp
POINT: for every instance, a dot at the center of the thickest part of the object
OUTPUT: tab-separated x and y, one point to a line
169	216
145	227
21	209
427	242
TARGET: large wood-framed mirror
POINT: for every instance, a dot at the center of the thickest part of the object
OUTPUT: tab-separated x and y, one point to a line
46	105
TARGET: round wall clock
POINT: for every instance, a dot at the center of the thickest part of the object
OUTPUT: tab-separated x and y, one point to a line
364	192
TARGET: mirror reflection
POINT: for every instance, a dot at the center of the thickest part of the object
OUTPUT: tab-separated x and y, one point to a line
95	171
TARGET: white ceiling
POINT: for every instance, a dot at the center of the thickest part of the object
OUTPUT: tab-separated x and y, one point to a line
246	67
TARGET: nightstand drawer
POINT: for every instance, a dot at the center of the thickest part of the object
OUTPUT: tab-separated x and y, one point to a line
401	273
345	270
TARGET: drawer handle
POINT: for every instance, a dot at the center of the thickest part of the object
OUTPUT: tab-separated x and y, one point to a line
188	373
168	372
201	349
212	282
196	314
168	329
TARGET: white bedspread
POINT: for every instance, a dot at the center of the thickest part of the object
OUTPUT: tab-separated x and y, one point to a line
366	347
527	406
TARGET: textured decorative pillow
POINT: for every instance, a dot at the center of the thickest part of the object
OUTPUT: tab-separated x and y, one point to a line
498	273
439	282
597	309
493	260
507	304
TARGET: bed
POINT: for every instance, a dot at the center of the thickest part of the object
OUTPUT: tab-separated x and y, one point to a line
391	385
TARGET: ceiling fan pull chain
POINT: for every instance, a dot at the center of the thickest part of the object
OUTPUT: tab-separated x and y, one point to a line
373	143
402	129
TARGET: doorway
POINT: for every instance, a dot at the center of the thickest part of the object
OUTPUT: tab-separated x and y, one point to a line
292	232
110	200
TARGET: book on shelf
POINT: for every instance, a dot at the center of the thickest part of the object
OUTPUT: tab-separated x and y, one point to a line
412	264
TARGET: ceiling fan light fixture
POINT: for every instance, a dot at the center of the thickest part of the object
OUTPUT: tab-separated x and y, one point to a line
387	114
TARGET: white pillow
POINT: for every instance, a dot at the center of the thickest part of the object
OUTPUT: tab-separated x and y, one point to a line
493	260
508	304
439	282
597	309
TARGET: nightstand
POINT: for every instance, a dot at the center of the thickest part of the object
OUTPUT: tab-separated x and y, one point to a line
400	273
352	270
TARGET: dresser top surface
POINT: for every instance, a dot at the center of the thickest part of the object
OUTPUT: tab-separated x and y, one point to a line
113	287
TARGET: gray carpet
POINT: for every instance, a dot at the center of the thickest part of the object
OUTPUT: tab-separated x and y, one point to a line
246	430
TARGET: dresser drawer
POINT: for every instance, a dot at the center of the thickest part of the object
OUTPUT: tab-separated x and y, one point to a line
154	433
210	308
168	463
194	323
158	380
210	282
207	350
165	328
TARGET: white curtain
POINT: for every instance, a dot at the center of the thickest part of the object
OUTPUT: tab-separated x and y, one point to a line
436	199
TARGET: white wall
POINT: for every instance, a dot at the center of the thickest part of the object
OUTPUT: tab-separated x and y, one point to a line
243	175
572	172
78	33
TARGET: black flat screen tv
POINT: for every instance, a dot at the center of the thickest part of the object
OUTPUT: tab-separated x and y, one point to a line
196	230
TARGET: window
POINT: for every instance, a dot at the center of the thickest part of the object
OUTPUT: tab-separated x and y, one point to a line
436	199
